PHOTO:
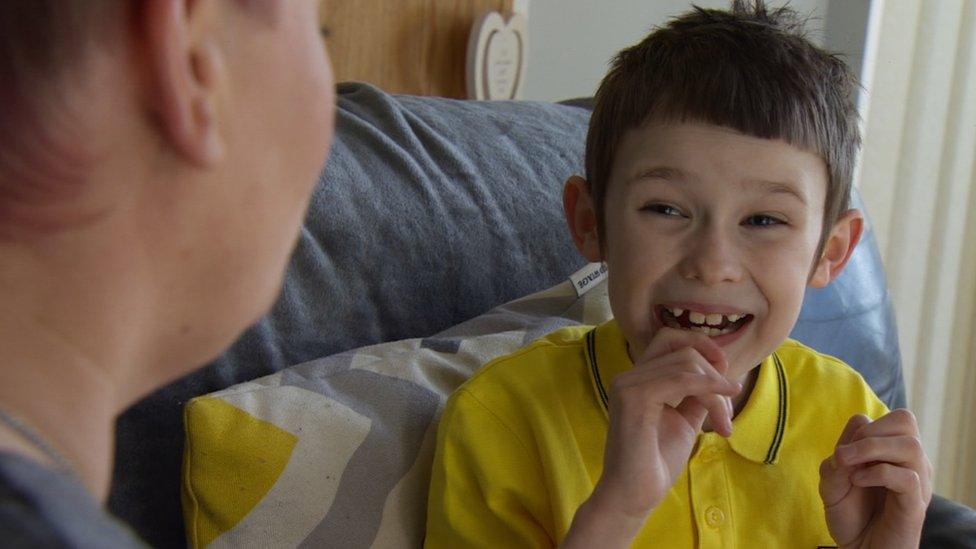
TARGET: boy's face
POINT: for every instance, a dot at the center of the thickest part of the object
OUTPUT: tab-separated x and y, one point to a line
711	230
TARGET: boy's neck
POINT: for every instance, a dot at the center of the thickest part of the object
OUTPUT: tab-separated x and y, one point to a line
748	382
739	401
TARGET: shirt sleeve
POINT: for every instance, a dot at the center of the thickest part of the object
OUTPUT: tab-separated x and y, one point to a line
872	405
486	489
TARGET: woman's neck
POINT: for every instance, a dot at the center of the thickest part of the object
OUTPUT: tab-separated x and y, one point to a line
67	338
68	401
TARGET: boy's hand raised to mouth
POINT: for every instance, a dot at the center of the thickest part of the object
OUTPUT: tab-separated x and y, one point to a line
657	410
877	484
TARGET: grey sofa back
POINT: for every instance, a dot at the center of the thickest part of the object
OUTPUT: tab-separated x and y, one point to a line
430	212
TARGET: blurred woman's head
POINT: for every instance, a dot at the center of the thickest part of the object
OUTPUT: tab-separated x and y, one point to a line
171	144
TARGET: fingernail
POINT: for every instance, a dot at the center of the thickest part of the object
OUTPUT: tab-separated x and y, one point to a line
833	462
860	475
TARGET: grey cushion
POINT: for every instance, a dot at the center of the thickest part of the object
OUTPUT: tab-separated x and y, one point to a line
949	525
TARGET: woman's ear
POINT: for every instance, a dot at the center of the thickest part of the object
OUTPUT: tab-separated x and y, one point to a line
185	68
838	248
581	218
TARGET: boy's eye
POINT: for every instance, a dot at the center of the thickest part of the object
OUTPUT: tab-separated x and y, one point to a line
761	220
662	209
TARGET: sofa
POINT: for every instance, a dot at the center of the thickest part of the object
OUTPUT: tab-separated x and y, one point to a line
436	227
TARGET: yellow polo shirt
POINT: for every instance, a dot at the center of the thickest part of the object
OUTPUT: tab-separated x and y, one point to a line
520	447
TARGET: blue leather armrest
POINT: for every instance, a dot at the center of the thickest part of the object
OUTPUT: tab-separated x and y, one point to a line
852	319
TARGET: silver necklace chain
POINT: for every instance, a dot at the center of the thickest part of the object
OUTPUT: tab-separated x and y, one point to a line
35	438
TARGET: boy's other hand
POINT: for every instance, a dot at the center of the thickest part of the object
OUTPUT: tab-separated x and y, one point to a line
656	411
877	484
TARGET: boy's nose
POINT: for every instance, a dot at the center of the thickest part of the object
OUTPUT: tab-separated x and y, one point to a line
711	260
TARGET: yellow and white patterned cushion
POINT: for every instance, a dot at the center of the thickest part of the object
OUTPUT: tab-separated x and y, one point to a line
336	452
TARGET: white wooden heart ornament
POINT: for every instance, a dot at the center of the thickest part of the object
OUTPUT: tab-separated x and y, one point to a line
496	57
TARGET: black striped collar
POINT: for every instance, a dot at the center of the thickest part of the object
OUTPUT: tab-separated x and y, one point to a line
758	430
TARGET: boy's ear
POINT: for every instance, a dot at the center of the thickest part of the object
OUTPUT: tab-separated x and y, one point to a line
837	249
581	218
185	68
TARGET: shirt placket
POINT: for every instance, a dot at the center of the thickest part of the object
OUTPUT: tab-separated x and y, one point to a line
710	498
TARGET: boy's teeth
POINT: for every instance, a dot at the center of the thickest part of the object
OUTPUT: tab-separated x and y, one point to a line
705	323
711	331
701	322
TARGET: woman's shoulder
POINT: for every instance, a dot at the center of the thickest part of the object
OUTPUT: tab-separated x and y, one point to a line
40	507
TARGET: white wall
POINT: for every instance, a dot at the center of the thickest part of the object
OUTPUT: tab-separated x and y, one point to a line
845	29
572	41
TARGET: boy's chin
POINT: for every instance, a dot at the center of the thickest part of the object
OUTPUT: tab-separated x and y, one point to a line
740	368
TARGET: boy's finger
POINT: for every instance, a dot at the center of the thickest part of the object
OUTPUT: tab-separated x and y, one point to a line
688	357
696	408
674	390
894	423
687	379
905	451
668	340
834	476
904	483
684	360
855	422
718	413
835	481
686	384
718	404
693	411
724	389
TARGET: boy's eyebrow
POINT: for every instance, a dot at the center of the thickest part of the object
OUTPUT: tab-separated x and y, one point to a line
674	174
776	187
658	172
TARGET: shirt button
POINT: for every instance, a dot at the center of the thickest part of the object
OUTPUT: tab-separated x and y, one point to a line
714	516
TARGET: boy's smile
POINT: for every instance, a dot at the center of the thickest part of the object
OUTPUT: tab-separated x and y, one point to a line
721	324
710	230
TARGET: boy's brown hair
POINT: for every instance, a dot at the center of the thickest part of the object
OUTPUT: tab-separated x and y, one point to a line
750	69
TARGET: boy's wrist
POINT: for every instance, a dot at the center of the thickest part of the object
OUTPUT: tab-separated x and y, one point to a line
598	521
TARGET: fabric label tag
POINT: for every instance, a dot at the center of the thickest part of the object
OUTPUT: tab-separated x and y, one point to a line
588	277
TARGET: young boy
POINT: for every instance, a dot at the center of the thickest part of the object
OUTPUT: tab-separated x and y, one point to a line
719	163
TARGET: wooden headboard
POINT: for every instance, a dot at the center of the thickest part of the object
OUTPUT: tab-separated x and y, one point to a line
404	46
